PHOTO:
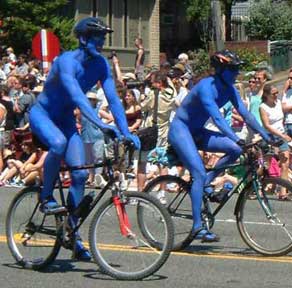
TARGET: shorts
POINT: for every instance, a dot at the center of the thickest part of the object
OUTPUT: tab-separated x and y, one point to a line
5	139
283	147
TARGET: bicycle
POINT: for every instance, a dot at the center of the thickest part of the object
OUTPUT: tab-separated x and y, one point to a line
115	240
264	223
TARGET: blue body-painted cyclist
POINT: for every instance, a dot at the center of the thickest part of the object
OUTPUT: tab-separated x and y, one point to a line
52	117
187	134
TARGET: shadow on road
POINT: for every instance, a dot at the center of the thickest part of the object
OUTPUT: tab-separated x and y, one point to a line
63	266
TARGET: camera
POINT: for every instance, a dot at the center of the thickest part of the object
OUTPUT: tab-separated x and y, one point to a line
113	54
134	84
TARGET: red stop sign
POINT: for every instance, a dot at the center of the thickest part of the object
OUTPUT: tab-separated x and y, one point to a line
52	46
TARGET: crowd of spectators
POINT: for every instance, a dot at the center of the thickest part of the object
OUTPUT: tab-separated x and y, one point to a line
21	80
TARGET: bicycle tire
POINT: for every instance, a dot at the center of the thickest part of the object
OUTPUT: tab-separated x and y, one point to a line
31	249
178	206
270	237
120	256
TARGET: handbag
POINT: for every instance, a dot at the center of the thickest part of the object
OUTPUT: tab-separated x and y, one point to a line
148	135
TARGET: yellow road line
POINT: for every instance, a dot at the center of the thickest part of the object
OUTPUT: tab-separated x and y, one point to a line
214	255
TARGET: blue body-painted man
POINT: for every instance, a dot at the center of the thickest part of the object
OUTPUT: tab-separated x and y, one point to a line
52	117
204	101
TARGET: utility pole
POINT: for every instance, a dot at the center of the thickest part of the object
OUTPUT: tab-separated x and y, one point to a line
217	24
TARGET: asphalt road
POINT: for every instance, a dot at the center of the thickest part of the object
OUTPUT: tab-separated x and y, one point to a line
228	263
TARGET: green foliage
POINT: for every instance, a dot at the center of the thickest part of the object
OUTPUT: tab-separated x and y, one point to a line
200	61
197	10
270	20
251	57
23	19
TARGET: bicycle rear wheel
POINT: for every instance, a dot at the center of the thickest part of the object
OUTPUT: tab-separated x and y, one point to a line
130	257
178	205
267	232
31	235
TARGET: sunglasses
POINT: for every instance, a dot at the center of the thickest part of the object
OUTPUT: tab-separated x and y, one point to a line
251	81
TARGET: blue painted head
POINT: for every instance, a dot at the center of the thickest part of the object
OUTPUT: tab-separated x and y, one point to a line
227	64
91	32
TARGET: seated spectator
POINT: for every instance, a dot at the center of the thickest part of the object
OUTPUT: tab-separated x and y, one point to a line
14	164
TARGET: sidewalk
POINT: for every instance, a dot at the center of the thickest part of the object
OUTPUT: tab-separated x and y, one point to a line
279	77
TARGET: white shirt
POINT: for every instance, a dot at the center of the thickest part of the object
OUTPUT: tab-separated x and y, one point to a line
275	115
287	99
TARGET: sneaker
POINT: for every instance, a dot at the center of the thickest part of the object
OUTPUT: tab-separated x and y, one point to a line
161	197
80	252
50	206
99	181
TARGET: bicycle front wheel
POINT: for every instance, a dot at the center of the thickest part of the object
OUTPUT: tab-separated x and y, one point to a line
178	204
132	256
265	224
31	235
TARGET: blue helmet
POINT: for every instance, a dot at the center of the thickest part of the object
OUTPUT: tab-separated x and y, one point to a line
91	26
225	59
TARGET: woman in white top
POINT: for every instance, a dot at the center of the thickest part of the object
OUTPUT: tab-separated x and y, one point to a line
272	117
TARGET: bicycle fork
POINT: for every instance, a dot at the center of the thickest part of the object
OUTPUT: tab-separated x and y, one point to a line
125	226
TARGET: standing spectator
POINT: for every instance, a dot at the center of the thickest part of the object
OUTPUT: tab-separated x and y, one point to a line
272	118
140	58
7	65
10	116
179	84
255	99
132	110
22	67
92	138
11	55
288	83
23	103
3	76
166	99
287	104
183	58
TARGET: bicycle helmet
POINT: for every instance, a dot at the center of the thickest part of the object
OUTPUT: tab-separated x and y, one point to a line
225	59
91	26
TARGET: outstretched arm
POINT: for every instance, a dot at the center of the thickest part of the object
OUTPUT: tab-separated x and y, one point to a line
246	115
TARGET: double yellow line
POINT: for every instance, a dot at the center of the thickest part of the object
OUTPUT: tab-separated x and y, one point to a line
214	255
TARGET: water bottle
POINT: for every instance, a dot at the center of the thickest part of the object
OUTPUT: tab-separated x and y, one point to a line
82	209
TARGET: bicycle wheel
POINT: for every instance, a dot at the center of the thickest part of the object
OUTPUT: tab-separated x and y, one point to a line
130	257
267	231
31	235
178	205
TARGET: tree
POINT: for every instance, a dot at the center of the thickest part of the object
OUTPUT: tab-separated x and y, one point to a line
270	21
23	19
200	10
